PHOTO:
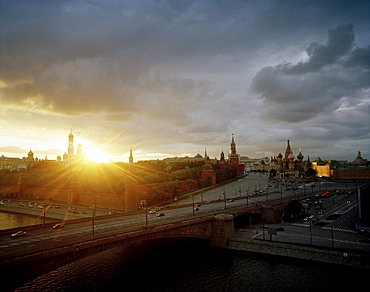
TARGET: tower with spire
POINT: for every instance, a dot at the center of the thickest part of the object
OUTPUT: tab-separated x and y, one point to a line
233	156
131	158
70	157
71	150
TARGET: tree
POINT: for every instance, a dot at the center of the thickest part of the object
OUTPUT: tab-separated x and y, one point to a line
293	210
311	172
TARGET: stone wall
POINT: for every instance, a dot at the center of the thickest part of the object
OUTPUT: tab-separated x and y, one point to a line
352	259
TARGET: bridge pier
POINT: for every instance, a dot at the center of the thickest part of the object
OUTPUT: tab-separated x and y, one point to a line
222	229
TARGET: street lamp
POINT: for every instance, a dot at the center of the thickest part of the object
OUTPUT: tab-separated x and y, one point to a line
45	208
193	204
93	221
146	208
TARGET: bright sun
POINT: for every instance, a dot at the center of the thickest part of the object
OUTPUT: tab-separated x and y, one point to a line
97	155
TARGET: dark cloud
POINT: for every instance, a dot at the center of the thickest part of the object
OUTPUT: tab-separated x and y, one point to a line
317	86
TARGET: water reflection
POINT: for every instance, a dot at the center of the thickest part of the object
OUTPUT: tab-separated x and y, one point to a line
165	265
14	220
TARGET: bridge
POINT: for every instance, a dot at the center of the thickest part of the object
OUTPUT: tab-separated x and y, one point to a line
45	249
215	230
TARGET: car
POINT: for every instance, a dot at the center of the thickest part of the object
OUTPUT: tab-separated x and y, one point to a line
40	207
240	180
264	226
57	207
21	204
160	214
19	233
196	209
58	225
152	212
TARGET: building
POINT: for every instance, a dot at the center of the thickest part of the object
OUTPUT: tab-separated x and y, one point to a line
14	163
233	158
289	165
131	158
322	168
9	163
208	172
357	170
70	157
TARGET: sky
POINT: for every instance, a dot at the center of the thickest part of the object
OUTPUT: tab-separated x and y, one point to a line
171	78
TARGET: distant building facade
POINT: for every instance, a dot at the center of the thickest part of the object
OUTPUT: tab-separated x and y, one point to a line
359	169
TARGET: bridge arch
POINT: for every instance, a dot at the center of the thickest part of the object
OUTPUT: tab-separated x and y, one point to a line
244	220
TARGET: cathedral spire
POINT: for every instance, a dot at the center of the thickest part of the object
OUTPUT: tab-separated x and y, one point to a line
288	149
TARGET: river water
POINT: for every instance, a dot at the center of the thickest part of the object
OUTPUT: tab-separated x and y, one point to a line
14	220
172	265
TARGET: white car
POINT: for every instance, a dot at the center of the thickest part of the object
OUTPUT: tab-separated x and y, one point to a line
19	233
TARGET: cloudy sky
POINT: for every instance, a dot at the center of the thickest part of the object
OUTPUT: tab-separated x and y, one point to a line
169	78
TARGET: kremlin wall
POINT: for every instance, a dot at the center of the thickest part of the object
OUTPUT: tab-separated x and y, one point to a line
135	194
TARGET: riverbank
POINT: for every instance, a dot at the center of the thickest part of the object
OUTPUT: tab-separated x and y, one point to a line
55	211
339	257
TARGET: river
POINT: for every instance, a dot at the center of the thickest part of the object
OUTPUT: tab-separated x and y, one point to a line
172	265
14	220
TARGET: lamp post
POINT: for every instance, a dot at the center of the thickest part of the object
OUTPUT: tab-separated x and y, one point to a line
146	208
193	204
93	221
44	213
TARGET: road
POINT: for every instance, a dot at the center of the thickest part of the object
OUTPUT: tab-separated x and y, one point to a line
41	239
330	229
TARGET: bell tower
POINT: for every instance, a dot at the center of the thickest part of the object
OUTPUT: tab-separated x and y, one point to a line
131	158
71	150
